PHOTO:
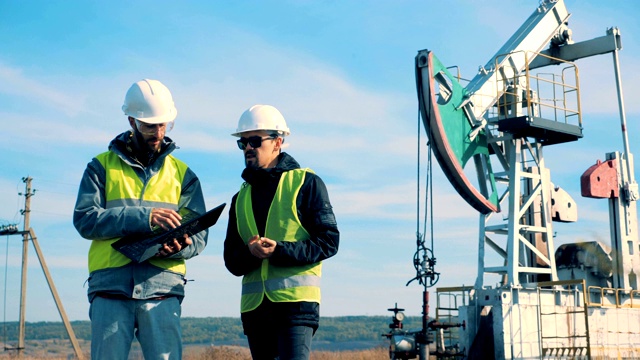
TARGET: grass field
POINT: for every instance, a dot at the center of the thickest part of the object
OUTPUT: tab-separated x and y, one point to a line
239	353
212	353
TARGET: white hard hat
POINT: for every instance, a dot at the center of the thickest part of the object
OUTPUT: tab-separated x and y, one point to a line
262	117
150	101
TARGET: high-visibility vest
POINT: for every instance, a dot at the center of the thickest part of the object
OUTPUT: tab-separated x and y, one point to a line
123	187
278	283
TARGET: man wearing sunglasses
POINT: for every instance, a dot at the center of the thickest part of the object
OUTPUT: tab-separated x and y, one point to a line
281	228
137	186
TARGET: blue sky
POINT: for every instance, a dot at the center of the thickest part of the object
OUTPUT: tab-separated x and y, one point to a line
342	74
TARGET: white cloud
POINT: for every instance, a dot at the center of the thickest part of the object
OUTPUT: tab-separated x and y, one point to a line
14	82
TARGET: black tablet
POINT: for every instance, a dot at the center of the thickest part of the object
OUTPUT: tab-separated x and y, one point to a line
140	247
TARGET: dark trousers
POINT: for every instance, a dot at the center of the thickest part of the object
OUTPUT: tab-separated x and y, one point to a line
289	343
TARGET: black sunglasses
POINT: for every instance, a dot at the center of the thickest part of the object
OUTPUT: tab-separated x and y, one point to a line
254	141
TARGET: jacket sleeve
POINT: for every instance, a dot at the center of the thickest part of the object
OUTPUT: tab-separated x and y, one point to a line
237	257
317	217
191	197
91	217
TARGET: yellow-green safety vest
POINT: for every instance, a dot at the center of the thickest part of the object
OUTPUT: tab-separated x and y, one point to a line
278	283
123	187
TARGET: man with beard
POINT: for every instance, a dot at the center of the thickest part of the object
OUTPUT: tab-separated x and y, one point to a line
135	187
281	228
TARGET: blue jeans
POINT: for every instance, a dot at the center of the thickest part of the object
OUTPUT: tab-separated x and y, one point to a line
289	343
155	323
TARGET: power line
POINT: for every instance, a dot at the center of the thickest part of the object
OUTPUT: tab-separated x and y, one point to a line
50	213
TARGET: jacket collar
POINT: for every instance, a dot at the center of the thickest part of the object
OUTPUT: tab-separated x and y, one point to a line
285	163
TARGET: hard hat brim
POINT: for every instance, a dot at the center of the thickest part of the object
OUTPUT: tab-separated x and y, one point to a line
158	119
280	132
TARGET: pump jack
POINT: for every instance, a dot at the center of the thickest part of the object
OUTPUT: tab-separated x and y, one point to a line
579	301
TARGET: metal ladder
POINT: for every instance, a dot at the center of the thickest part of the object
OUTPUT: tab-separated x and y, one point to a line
572	341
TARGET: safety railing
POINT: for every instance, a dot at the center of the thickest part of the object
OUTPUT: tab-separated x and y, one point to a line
552	96
601	297
448	301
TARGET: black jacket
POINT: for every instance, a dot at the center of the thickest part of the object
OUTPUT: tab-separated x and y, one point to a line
316	215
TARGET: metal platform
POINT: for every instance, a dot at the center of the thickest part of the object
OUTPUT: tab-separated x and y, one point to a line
546	132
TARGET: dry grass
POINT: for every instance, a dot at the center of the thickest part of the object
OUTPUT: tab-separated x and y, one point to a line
371	354
228	353
241	353
219	352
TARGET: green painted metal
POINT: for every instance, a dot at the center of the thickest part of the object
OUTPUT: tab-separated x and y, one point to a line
459	148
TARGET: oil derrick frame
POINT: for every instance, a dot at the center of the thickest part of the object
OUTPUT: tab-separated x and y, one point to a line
529	244
29	234
517	135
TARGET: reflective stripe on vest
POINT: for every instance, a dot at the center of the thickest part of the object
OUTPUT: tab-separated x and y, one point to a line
123	187
279	284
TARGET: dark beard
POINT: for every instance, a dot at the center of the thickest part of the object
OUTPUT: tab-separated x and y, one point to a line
253	162
141	151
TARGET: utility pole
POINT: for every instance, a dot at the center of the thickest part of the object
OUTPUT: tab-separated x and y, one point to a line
25	253
29	234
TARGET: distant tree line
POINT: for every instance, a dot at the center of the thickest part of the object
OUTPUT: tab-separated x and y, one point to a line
212	330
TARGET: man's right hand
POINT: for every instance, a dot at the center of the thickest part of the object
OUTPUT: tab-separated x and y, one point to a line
165	218
174	246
